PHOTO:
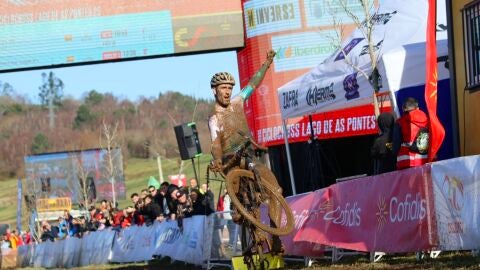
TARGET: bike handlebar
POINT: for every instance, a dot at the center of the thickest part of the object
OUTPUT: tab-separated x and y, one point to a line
235	157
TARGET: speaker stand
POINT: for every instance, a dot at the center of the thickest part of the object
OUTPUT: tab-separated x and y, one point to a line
194	169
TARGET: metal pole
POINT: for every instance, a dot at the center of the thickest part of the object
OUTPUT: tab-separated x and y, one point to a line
453	82
194	170
160	171
289	160
19	205
51	113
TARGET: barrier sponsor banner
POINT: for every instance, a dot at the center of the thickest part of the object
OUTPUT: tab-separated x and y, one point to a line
48	254
71	252
134	244
300	205
8	258
24	255
192	244
456	186
86	249
38	255
361	214
102	246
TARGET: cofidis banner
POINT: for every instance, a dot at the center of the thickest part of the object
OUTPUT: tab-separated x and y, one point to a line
392	212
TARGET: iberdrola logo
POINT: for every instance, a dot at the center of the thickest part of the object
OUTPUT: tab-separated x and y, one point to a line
284	52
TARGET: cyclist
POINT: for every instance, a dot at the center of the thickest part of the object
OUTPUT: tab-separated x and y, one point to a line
227	124
229	130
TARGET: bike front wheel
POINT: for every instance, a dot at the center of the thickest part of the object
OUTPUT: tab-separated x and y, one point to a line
241	180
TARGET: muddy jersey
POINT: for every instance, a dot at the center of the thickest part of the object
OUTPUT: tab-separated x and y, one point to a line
228	126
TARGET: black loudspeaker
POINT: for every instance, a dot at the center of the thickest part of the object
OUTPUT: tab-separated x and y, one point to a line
188	142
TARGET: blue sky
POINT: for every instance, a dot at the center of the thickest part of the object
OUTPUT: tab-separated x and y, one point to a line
187	74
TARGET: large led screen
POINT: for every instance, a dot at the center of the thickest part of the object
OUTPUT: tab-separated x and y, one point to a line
75	175
43	33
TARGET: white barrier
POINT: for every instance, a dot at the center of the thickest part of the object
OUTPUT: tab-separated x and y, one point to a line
134	244
192	245
102	245
456	187
71	252
25	255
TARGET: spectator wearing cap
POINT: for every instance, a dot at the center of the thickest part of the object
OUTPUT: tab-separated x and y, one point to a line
184	206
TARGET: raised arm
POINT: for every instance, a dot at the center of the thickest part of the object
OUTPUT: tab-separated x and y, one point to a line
247	91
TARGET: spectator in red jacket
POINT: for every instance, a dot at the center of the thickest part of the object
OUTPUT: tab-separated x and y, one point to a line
412	120
123	218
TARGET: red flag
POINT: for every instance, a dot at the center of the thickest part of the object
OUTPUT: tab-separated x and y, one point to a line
437	132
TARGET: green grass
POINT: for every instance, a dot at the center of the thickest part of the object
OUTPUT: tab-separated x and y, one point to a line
137	172
447	260
8	201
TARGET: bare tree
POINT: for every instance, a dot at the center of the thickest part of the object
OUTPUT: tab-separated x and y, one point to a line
108	142
82	174
366	25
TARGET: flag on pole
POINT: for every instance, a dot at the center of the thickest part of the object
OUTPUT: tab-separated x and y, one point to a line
437	132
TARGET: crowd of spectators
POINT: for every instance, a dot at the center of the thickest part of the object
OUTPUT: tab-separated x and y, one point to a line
14	238
157	203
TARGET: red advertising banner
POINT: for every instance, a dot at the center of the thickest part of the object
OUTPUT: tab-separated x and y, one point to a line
392	212
298	31
300	205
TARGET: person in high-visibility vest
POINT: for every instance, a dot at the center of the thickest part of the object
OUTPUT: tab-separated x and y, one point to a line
412	120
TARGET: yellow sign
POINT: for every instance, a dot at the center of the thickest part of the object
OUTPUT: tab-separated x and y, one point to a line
270	262
54	204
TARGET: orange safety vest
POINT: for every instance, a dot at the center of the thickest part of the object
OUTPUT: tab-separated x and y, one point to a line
410	124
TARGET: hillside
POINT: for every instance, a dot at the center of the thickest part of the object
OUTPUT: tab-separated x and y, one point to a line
145	127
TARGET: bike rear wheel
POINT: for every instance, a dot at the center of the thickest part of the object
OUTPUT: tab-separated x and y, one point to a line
241	178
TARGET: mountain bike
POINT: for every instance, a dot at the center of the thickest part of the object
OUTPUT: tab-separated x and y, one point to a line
253	188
